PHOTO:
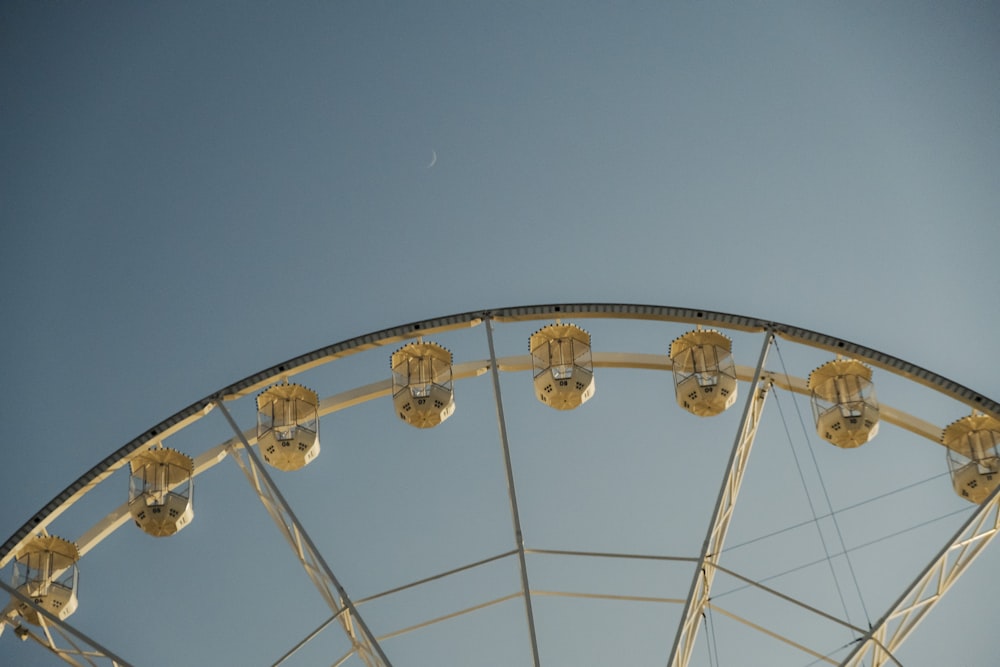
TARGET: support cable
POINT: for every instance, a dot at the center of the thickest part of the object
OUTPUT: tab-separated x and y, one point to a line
711	632
725	505
812	510
826	494
858	547
846	508
708	645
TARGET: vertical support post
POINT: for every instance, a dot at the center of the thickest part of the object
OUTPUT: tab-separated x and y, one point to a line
701	584
888	634
511	493
365	645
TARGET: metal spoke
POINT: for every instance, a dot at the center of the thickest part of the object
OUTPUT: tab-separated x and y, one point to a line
512	494
889	633
364	643
701	584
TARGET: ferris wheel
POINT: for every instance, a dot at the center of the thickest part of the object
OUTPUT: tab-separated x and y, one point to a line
535	485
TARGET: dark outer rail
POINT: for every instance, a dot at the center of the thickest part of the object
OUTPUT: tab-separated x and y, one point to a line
513	314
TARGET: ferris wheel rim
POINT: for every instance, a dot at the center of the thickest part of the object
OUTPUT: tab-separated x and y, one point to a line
403	332
873	640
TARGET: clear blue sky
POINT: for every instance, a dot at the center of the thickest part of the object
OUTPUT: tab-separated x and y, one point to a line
194	191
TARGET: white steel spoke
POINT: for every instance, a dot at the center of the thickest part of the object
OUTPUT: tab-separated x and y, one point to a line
515	516
889	633
364	642
725	504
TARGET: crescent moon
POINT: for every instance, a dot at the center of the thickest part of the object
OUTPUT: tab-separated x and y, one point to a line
434	159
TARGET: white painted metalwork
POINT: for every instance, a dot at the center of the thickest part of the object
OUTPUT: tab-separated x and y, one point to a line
364	643
54	508
879	645
889	633
81	649
725	504
512	494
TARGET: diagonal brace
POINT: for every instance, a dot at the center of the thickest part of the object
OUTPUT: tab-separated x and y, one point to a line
67	631
701	584
364	643
889	633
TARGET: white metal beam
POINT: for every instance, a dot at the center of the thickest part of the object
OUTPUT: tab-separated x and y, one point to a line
512	495
94	650
701	584
364	642
889	633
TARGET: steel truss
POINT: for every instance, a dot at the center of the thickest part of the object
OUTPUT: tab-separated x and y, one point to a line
889	633
874	647
364	643
81	647
725	504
